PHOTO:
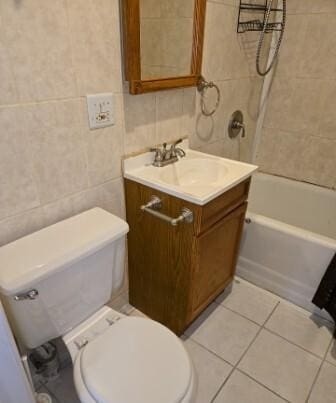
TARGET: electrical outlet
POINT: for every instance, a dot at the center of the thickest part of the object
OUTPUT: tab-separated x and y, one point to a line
100	110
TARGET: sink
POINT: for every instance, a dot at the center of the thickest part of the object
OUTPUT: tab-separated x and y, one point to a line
193	172
197	178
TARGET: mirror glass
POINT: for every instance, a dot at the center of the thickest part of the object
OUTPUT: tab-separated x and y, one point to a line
166	38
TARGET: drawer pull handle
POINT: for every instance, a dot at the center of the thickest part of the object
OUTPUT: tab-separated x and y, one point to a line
155	203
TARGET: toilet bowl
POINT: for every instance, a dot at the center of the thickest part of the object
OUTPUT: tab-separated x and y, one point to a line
129	360
56	282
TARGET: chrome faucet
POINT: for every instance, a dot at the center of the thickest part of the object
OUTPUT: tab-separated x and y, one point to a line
164	156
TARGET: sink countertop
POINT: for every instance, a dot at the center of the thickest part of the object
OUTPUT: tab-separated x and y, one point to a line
197	178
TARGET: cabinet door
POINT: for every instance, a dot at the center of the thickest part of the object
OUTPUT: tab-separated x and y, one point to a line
216	253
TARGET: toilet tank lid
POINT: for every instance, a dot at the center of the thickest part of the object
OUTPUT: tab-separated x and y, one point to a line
37	256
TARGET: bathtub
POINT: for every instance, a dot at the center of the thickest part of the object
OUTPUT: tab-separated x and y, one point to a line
289	237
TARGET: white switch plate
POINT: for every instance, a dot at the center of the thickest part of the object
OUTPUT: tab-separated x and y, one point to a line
100	110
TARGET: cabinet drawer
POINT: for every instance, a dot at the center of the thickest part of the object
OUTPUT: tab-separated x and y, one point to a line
223	205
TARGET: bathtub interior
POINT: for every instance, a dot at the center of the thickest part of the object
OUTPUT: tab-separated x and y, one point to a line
303	205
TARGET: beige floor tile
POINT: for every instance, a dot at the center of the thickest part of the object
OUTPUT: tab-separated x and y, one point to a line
242	389
324	390
331	356
282	367
211	371
248	300
300	327
223	332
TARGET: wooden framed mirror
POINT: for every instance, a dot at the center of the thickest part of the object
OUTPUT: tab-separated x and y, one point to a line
163	43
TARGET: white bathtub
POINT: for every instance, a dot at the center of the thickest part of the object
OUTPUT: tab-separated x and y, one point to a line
291	238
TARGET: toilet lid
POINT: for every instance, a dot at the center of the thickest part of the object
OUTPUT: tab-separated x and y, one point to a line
136	360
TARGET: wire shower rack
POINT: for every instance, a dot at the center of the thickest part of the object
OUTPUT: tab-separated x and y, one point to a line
257	24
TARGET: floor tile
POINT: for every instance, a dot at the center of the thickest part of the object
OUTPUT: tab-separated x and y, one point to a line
211	371
63	387
331	356
223	332
282	367
301	327
248	300
324	390
242	389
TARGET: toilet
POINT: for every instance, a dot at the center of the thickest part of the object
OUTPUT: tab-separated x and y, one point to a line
56	282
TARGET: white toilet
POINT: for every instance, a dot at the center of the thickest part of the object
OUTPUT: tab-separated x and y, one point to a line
56	281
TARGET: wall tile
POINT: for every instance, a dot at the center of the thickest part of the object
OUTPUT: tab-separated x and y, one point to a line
37	40
7	83
241	95
95	43
58	148
295	105
189	111
316	53
20	225
292	50
17	188
140	116
311	6
105	148
224	57
109	196
169	111
278	153
319	161
327	127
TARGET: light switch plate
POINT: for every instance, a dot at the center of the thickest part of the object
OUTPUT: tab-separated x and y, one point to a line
100	110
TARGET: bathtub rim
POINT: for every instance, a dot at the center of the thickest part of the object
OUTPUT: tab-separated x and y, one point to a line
290	229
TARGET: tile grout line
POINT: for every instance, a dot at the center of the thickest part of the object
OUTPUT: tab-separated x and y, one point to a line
240	314
261	384
318	372
297	345
210	351
272	331
243	355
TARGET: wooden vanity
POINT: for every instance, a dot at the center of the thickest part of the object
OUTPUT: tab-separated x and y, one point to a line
175	272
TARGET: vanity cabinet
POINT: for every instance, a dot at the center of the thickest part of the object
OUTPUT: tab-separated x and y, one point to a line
175	272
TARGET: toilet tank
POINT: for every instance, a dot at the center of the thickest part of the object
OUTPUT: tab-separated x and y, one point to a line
74	266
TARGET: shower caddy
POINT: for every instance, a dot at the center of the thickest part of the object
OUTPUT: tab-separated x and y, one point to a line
263	24
257	24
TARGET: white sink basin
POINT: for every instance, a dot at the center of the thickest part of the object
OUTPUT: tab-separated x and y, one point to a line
194	172
197	178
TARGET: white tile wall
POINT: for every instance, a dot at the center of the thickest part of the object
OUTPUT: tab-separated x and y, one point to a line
52	166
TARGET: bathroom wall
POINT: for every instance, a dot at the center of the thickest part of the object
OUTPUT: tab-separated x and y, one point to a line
299	134
52	54
229	61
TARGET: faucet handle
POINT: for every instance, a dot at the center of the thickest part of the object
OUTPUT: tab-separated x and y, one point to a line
175	151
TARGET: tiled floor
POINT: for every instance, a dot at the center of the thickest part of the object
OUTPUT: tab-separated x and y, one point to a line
252	347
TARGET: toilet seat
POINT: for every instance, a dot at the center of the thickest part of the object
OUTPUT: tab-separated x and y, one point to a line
136	360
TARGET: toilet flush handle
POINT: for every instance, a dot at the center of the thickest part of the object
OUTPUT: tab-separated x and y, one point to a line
29	295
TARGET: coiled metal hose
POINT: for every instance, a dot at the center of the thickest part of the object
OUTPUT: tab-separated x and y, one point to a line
262	37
